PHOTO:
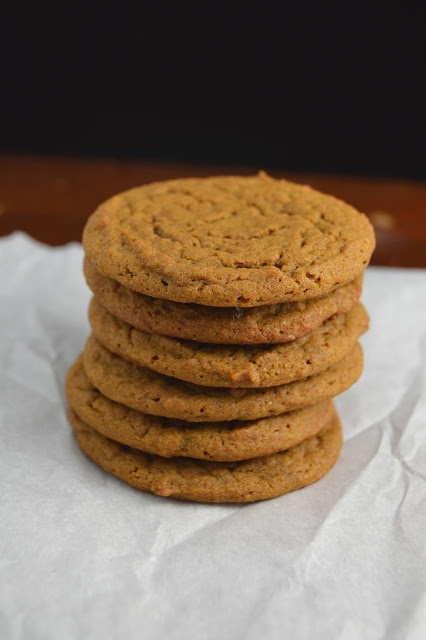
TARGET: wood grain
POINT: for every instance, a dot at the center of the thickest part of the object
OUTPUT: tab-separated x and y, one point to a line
51	197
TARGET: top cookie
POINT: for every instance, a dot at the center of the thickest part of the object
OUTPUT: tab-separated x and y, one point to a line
228	241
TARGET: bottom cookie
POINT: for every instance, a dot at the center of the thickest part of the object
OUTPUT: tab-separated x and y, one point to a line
204	481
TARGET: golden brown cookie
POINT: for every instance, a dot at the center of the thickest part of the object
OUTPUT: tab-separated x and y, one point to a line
203	481
155	394
220	441
231	366
268	324
228	241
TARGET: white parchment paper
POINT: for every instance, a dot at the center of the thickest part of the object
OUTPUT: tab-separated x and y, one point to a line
82	555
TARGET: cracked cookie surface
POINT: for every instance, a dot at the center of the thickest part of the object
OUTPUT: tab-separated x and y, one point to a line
202	481
236	366
221	441
153	393
228	241
268	324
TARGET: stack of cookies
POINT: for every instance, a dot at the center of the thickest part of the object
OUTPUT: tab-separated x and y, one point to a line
225	318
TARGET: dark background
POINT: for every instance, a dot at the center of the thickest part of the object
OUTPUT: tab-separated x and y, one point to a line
314	86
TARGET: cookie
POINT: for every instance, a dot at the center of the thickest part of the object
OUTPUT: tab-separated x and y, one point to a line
220	441
268	324
203	481
231	366
150	392
228	241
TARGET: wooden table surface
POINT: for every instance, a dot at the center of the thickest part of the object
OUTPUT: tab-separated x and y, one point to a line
51	197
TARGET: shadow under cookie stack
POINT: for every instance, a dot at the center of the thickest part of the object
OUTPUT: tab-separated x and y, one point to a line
225	318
